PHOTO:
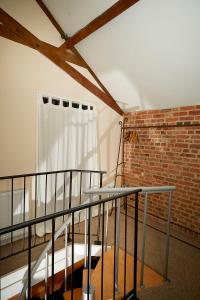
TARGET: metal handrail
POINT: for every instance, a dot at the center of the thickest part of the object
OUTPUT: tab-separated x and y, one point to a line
118	191
51	172
50	244
63	190
145	191
64	212
149	189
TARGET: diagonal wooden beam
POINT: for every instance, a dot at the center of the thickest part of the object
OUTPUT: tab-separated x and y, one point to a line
73	49
112	12
71	57
56	25
11	29
51	18
19	34
44	49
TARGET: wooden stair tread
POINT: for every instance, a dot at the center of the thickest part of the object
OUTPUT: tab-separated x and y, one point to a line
85	277
38	290
77	294
151	278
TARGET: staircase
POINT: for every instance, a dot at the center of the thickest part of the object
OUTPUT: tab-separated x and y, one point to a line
152	279
114	275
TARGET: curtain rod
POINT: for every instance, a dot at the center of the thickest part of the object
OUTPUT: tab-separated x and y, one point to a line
160	126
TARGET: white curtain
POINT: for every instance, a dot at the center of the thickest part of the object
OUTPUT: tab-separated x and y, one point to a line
67	139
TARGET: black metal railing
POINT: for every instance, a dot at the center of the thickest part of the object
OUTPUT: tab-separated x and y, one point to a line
71	213
41	194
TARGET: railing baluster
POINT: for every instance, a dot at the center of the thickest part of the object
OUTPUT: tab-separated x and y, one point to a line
85	240
167	236
64	195
90	179
107	213
12	215
89	252
29	262
99	209
88	291
45	206
117	244
70	198
72	278
46	275
125	245
80	200
0	254
135	246
70	189
55	192
66	257
102	252
52	258
24	211
115	229
35	209
143	240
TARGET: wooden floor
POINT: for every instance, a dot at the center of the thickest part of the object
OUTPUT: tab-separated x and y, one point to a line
151	278
77	294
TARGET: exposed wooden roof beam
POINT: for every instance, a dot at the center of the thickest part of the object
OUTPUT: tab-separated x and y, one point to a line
44	49
19	34
55	23
11	29
51	18
73	49
112	12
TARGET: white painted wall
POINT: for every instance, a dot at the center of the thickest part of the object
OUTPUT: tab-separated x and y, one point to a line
24	74
148	57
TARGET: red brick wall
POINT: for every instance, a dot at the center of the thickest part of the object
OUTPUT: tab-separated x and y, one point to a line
167	156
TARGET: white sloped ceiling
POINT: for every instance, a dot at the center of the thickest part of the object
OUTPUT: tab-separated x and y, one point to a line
148	57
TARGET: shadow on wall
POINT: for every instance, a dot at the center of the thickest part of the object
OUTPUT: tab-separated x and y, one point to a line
107	143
